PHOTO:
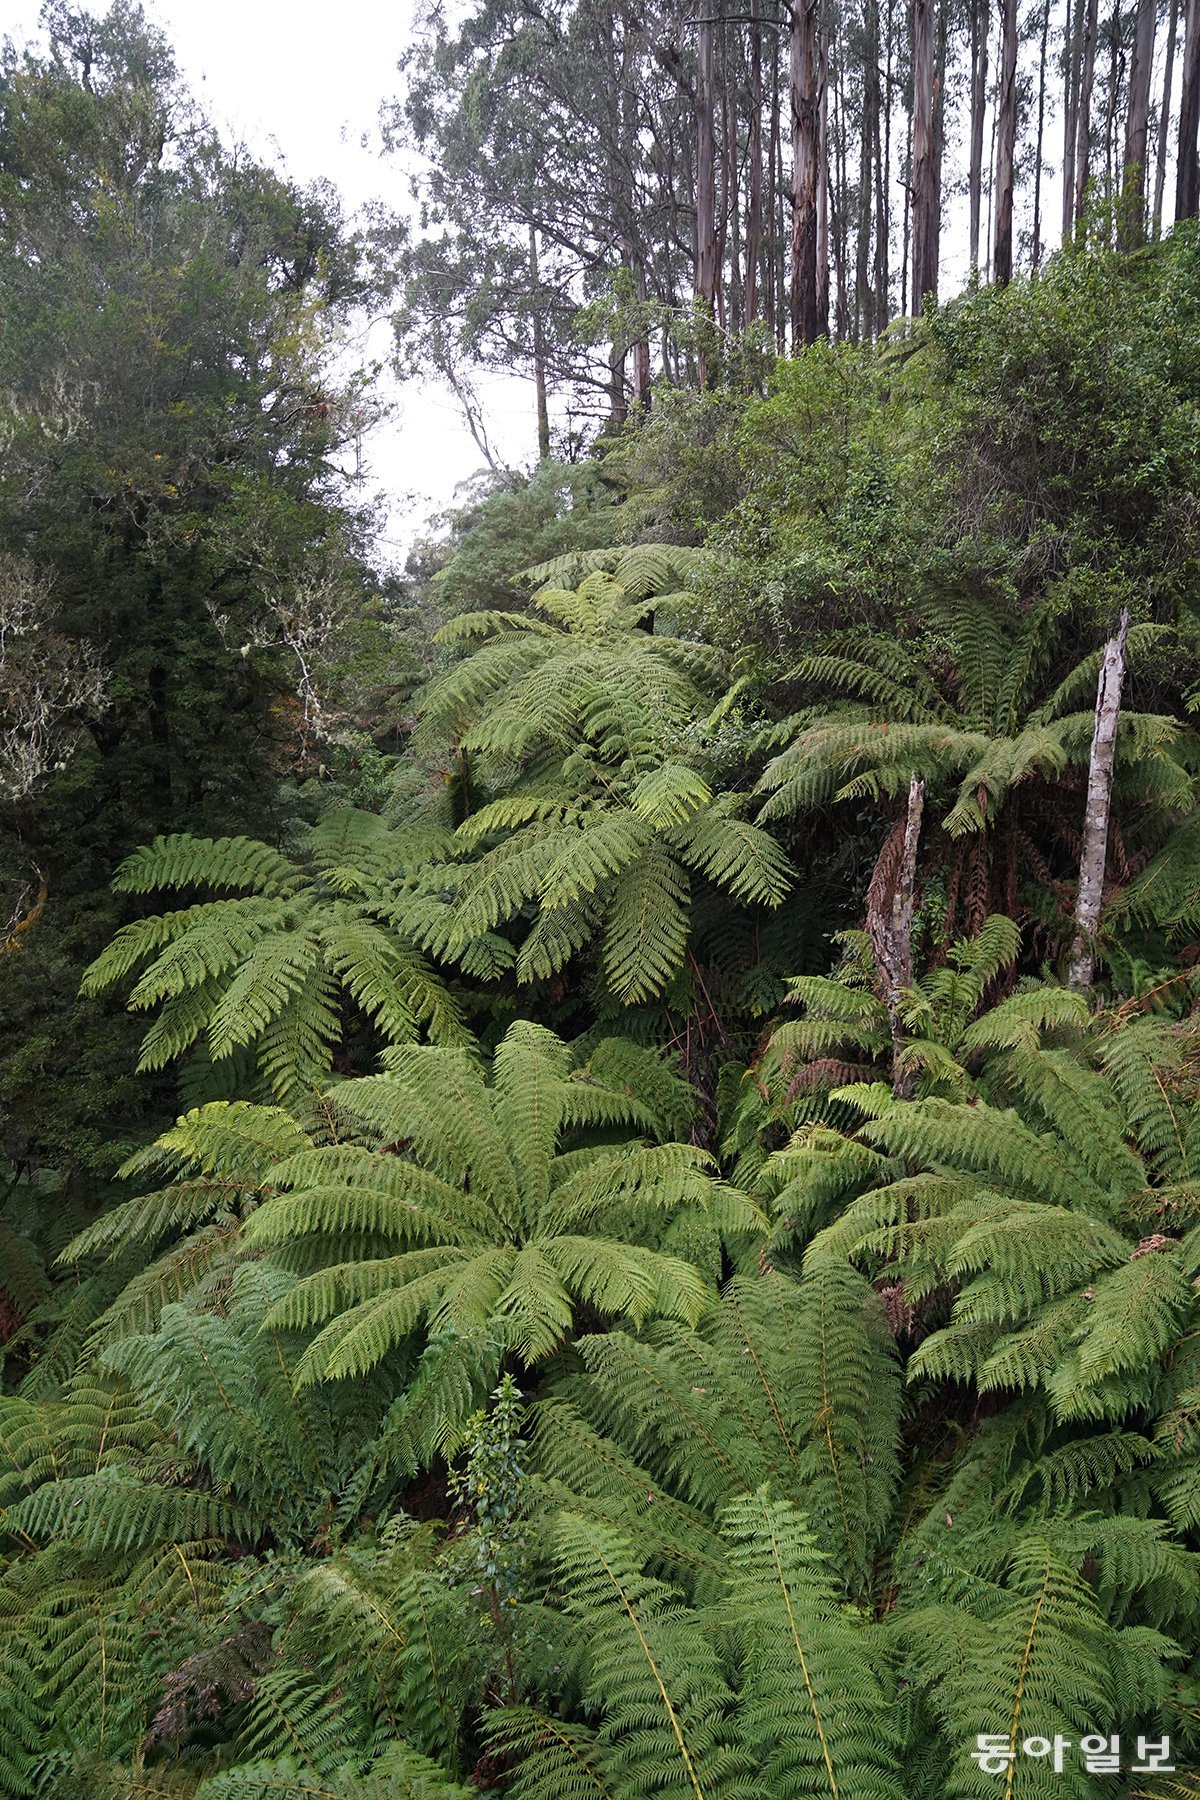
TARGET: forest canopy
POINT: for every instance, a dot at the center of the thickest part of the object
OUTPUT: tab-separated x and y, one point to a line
601	1133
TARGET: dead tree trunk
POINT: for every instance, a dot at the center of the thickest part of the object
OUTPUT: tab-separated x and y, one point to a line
1094	853
890	905
924	160
1006	146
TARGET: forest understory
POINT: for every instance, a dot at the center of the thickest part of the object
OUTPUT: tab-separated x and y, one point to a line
600	1192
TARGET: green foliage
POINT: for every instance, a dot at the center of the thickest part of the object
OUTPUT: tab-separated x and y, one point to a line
499	1208
257	978
606	814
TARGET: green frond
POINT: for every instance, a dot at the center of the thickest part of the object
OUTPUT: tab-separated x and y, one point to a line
815	1708
739	857
181	861
646	928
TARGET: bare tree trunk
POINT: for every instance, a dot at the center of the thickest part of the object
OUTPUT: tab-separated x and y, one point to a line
754	213
864	311
939	126
539	351
823	191
924	190
979	74
1164	119
727	210
1187	180
804	82
883	190
774	150
1006	145
706	199
1070	68
1115	47
641	349
1137	120
1094	852
891	899
1083	129
906	230
1041	125
840	208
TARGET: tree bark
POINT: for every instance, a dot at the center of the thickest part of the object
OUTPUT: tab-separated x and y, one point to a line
1070	68
939	126
1187	181
1137	121
1082	173
1006	145
539	351
823	190
1164	119
706	201
890	907
864	310
1094	852
804	84
979	74
924	180
1041	126
754	156
883	191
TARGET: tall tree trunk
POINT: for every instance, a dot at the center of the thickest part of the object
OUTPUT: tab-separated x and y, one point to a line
1137	121
771	260
823	192
1094	851
883	189
1187	180
939	126
1115	49
1070	72
925	199
1082	174
840	207
891	900
706	201
804	82
754	156
906	229
1041	126
539	350
633	250
1164	119
1006	145
727	209
864	310
979	73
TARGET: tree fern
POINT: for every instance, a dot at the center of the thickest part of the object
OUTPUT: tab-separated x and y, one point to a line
262	973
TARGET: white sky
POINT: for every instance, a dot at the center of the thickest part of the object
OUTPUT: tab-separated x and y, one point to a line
300	83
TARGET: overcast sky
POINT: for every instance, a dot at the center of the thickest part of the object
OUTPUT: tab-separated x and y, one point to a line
300	83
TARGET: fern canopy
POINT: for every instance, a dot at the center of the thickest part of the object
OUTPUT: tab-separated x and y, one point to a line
256	984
